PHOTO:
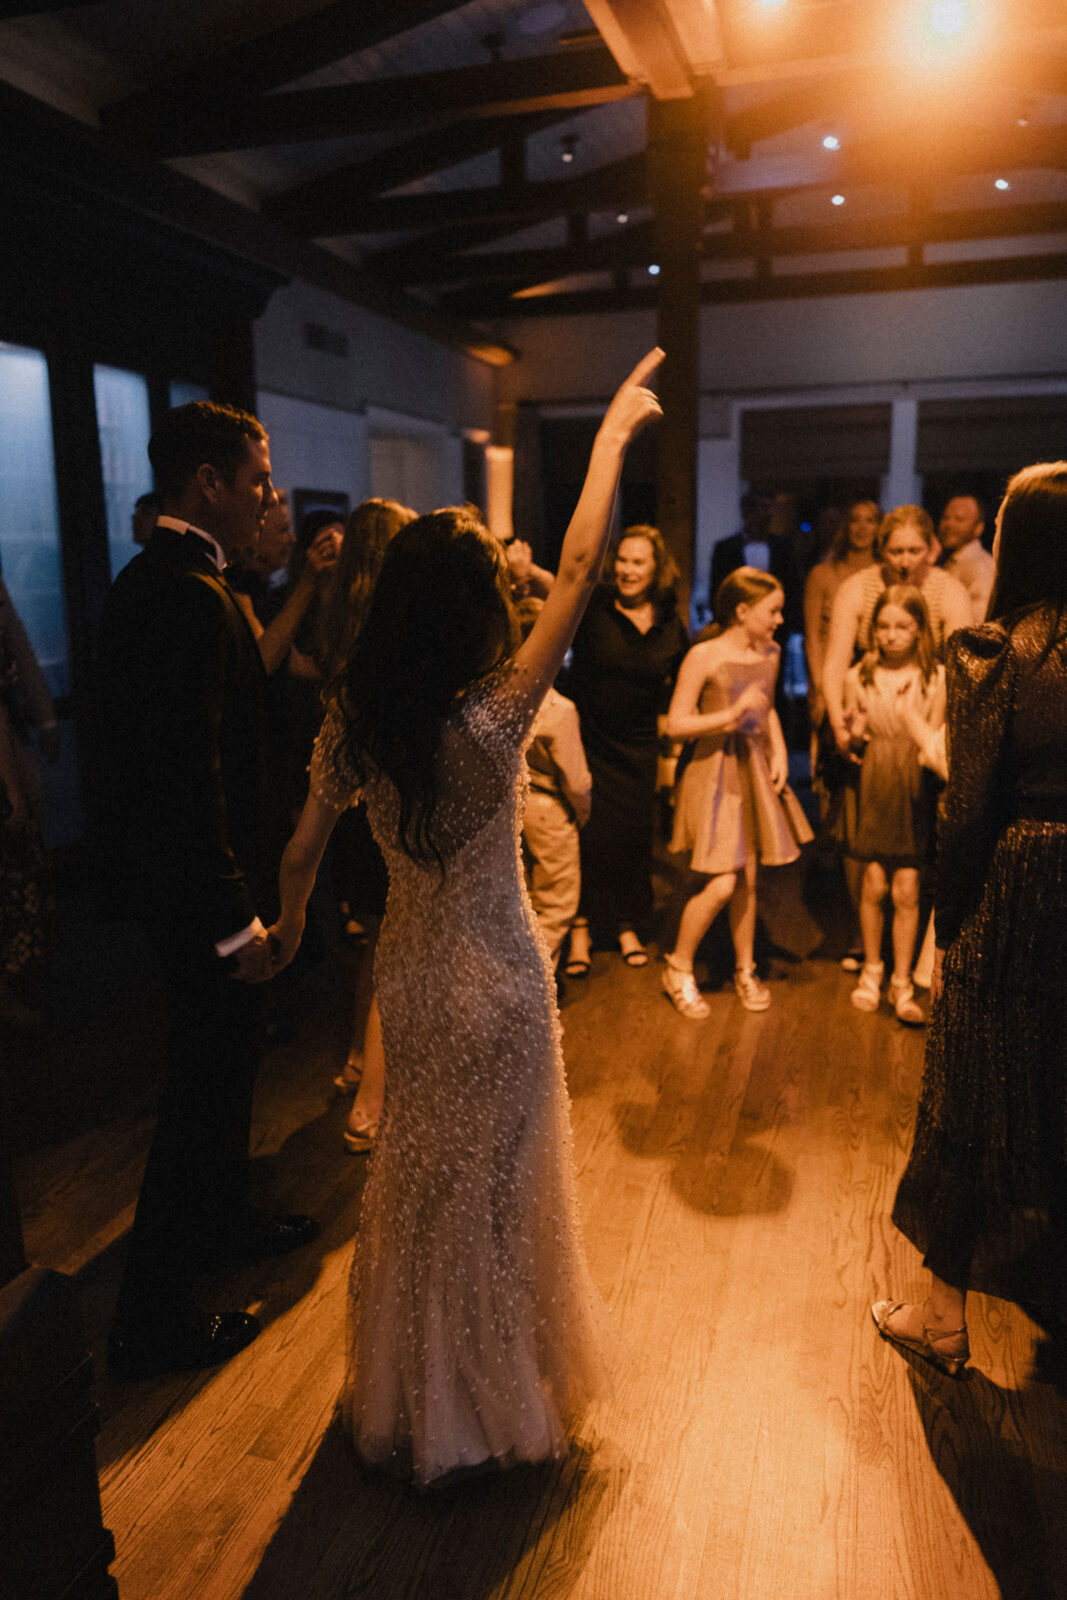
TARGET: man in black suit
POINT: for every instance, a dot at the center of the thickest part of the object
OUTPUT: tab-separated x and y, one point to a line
195	823
756	546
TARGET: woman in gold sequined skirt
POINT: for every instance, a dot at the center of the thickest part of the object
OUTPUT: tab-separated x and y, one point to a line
984	1194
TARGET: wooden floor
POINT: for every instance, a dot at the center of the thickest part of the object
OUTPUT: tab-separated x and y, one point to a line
736	1178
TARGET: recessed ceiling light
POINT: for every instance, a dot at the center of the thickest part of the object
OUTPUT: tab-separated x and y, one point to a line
949	17
831	142
621	218
568	144
654	270
837	199
1002	183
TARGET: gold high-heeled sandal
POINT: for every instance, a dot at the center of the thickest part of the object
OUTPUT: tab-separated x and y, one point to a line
951	1366
346	1084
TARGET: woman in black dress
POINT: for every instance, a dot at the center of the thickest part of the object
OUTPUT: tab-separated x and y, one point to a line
627	652
984	1194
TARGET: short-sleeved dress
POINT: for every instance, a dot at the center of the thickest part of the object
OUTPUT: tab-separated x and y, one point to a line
886	813
728	811
475	1329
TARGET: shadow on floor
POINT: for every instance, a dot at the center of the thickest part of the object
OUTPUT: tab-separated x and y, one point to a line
347	1532
1001	1454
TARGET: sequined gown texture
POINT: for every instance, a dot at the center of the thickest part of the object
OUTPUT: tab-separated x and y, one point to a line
728	811
984	1194
474	1327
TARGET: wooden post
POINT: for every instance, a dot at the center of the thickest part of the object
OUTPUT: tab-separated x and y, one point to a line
678	136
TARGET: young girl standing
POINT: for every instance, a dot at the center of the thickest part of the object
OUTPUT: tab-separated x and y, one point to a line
734	807
886	818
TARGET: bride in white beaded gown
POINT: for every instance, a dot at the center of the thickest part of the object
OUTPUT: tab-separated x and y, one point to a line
474	1324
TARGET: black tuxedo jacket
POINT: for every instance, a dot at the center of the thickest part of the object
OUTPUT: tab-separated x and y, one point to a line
729	554
193	818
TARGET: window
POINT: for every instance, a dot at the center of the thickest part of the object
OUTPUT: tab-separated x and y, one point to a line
124	425
183	394
29	512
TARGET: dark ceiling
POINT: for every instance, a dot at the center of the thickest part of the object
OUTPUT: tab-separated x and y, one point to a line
468	165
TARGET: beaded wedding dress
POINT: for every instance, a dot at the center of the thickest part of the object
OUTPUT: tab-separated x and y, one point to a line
474	1327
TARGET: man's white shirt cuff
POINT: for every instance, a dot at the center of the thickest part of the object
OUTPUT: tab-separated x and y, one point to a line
237	941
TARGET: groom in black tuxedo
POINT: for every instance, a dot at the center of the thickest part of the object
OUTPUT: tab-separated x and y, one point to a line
195	824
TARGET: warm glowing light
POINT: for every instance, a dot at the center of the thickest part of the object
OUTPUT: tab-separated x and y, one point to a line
837	200
831	142
1002	183
621	218
1024	122
949	17
568	155
654	270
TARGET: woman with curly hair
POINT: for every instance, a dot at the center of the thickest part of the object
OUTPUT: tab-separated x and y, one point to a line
626	657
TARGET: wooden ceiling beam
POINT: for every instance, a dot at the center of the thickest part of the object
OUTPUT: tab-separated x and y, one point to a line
619	184
255	66
567	80
628	247
798	286
873	233
300	207
632	247
645	42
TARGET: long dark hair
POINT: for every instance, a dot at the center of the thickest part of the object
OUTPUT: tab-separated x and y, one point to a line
440	619
1032	553
367	534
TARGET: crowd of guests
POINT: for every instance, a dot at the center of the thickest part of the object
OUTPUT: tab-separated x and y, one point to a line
398	670
624	730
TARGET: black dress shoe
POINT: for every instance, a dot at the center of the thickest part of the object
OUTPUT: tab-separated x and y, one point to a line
263	1235
183	1345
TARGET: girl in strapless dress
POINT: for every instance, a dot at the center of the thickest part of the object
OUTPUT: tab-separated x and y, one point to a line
734	806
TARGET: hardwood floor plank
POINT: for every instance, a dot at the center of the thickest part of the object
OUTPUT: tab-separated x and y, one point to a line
736	1179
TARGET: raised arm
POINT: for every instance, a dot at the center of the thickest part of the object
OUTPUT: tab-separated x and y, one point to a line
586	540
274	640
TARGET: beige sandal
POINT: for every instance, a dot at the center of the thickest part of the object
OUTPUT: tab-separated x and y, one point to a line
951	1366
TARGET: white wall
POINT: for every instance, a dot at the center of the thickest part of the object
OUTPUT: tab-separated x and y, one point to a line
903	347
987	331
386	365
315	447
